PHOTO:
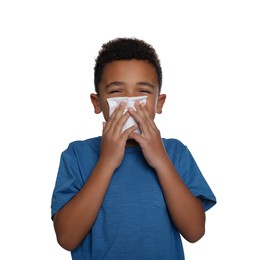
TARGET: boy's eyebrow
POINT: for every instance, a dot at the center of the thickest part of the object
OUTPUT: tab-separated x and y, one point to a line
120	83
114	83
145	83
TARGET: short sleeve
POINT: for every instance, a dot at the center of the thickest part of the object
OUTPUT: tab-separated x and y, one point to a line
189	171
68	182
195	181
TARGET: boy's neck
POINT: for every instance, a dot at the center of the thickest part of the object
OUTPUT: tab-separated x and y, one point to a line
131	142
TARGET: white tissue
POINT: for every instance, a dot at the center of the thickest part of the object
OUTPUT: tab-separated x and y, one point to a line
114	102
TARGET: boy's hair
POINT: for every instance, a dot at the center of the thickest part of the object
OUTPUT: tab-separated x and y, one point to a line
126	49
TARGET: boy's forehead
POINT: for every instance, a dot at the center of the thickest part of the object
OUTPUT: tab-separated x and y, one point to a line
129	68
128	72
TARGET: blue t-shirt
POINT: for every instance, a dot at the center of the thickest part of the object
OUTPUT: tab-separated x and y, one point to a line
133	222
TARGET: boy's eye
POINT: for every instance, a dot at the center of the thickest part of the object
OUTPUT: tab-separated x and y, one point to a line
145	91
114	91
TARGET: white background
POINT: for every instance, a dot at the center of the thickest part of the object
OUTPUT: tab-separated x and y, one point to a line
211	63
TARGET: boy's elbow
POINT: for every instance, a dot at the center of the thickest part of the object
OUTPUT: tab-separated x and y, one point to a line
67	240
65	243
64	238
195	236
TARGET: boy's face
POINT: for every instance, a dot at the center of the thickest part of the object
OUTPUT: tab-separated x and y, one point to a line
128	78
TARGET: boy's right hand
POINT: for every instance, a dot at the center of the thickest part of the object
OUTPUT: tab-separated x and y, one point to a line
113	139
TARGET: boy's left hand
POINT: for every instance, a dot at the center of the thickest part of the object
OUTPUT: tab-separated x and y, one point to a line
150	140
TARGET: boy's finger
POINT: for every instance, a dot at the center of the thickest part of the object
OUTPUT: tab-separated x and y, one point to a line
118	127
127	133
140	117
116	115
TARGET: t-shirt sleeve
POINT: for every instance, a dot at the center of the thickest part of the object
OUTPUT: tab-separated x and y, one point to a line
68	181
194	180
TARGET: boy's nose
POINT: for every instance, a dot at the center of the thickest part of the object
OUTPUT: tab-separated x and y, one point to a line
130	94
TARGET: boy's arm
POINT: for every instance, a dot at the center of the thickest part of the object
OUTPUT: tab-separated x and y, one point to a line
73	222
185	209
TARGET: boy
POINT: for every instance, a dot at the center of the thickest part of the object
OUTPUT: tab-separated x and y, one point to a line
127	195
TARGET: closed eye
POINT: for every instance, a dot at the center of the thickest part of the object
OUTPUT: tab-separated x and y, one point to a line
145	91
114	91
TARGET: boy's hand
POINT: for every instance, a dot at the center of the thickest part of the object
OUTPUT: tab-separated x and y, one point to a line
113	139
150	140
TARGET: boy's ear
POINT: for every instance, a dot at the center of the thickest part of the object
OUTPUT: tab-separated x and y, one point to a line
95	102
160	103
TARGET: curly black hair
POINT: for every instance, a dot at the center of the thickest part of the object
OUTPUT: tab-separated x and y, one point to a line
125	49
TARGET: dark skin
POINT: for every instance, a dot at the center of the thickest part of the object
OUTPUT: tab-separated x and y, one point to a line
129	78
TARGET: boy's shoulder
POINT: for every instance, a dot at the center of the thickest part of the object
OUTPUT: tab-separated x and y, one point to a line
175	148
173	143
91	143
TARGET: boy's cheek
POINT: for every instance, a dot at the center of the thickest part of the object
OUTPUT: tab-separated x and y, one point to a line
151	108
105	112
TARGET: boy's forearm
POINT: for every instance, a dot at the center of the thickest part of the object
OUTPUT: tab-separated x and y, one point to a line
73	222
186	211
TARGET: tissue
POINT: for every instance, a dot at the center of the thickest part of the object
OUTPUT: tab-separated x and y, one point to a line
114	102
